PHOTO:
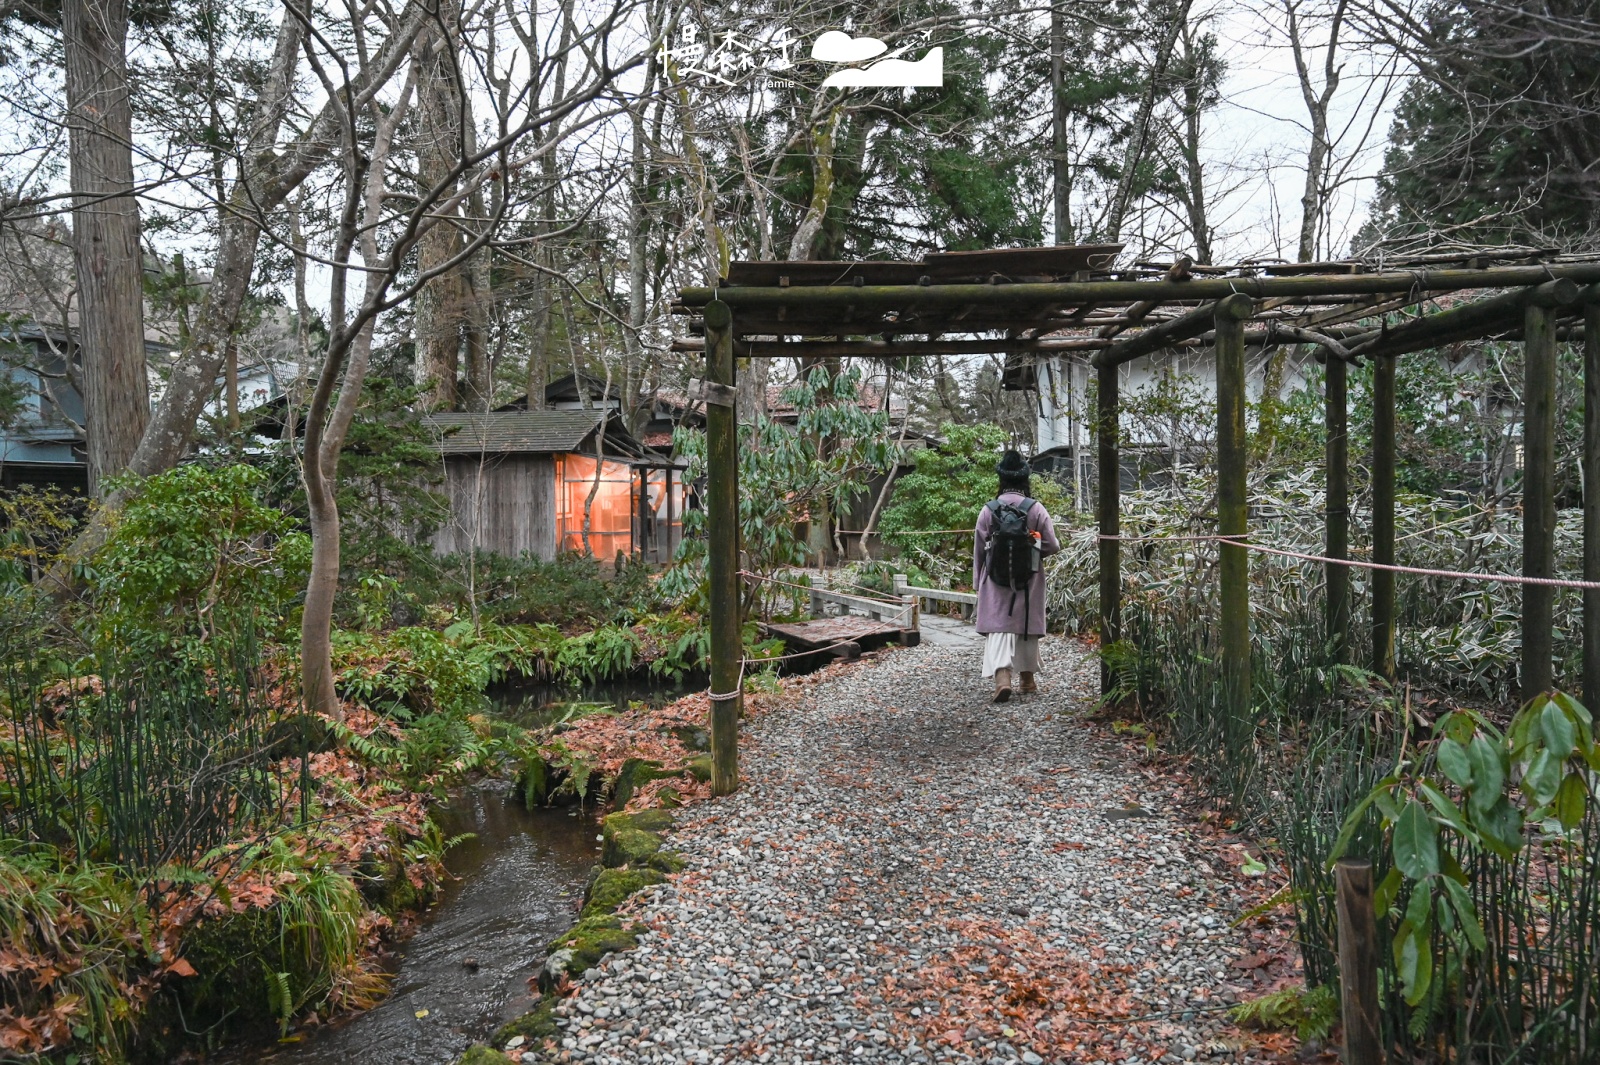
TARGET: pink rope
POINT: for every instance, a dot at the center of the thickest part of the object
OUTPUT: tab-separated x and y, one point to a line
1500	578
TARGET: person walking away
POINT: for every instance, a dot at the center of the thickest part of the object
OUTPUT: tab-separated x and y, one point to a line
1013	537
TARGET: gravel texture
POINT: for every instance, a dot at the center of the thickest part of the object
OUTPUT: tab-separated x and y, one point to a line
913	874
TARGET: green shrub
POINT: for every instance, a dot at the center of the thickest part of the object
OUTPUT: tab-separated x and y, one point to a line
568	590
71	933
820	464
421	670
950	484
196	557
1311	1013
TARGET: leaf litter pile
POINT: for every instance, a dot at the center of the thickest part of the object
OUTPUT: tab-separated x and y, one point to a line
911	874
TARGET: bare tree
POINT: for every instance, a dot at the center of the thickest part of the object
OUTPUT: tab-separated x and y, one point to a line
367	217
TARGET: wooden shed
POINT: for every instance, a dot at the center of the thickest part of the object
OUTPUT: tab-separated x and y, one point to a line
524	481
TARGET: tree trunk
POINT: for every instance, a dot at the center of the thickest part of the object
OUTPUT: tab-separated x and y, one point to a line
1140	136
440	305
1315	193
1061	177
1194	104
105	235
325	429
477	291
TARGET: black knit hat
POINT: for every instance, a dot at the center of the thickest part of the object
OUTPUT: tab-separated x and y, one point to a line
1012	464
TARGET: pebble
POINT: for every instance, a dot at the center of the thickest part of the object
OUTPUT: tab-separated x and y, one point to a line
911	874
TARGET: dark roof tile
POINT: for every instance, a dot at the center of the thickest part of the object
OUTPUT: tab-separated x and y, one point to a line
537	432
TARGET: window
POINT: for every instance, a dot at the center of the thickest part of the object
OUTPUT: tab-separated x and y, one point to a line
611	513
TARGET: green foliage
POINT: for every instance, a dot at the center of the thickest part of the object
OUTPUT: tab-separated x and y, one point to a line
434	751
389	472
1312	1013
605	652
421	670
298	945
72	931
945	491
35	527
569	590
1469	158
145	767
683	641
1473	801
950	484
788	472
196	556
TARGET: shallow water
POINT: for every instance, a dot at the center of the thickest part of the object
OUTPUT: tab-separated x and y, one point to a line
518	887
535	703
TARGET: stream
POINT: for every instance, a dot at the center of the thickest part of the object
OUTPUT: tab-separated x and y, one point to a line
516	886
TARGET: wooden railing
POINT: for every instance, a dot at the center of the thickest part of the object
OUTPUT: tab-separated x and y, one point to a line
968	601
902	614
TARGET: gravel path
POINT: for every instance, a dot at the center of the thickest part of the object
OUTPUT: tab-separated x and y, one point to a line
911	874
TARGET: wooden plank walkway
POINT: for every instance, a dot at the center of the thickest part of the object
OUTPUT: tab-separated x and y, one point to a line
857	634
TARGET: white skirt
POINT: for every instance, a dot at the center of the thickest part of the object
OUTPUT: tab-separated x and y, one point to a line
1007	650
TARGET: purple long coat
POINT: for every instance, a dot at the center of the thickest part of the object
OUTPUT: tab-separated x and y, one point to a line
996	612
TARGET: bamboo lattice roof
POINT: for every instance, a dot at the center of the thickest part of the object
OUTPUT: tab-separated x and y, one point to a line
1051	300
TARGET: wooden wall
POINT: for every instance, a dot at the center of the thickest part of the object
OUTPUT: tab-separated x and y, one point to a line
506	503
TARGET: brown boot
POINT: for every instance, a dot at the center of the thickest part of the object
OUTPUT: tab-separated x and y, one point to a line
1002	685
1028	686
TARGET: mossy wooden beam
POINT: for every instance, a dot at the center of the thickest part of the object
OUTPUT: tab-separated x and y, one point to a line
1184	327
1233	566
1591	494
880	349
1538	496
1335	286
722	534
1466	322
1108	507
1383	477
1336	533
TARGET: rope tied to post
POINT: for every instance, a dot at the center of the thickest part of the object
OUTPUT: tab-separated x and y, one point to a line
1237	541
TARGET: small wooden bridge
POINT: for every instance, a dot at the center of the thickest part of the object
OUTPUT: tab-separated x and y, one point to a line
845	625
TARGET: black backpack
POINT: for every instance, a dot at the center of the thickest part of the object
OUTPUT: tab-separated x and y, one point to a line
1013	555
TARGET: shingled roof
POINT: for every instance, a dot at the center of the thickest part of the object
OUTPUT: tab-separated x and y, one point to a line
529	432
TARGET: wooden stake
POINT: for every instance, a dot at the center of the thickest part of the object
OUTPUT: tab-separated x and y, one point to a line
1109	507
1233	512
1591	496
722	534
1337	520
1538	497
1383	475
1358	963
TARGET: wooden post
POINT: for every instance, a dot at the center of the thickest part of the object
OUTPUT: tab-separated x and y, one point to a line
1358	963
1109	507
722	534
1233	458
1383	475
1591	496
1538	495
1337	519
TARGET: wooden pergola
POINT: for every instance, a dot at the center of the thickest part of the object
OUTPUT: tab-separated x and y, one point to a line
1032	302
